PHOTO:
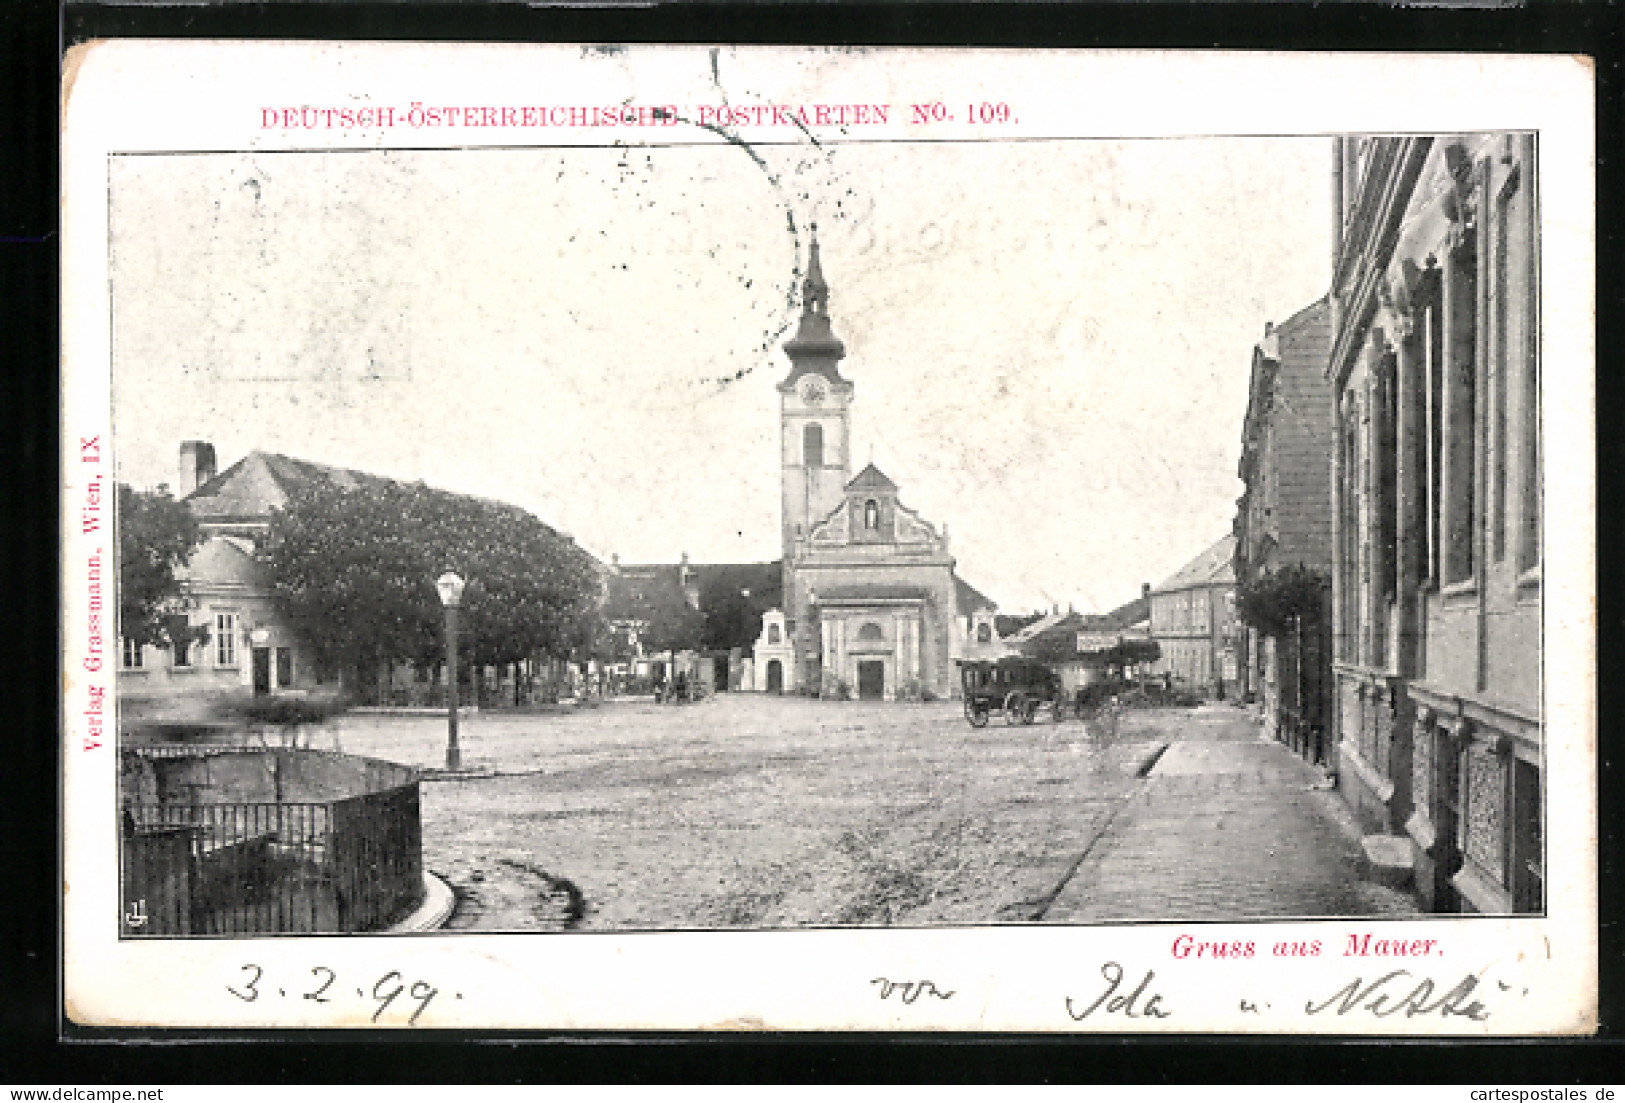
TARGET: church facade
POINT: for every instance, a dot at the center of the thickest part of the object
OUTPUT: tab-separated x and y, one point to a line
872	605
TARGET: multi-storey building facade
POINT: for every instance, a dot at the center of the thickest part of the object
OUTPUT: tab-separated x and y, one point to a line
1283	520
1193	620
1435	369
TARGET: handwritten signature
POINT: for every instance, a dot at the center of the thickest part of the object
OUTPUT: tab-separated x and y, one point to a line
1128	1006
1382	998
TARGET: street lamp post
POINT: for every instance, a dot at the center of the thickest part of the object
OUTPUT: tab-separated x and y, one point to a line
450	587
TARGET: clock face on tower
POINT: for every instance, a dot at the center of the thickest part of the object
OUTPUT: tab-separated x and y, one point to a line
812	391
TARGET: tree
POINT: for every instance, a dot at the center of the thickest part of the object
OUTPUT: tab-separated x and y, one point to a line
672	623
156	536
1134	652
1270	602
354	571
733	616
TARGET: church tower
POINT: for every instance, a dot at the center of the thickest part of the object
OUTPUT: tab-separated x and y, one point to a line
815	415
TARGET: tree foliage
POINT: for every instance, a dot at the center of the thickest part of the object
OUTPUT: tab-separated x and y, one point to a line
733	618
354	571
1062	647
156	536
1270	602
1133	652
671	623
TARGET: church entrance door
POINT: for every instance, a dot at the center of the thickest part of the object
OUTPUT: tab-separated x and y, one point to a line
871	680
775	676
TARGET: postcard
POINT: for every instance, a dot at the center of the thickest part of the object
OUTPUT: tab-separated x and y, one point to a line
742	538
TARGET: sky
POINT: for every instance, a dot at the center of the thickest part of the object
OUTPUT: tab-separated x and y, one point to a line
1050	340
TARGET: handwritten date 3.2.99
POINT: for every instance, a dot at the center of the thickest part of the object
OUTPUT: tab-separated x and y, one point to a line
323	987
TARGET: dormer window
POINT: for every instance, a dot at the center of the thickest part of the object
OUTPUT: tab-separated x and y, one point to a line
871	515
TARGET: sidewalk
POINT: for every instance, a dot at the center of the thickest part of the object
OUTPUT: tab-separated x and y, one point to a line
1226	826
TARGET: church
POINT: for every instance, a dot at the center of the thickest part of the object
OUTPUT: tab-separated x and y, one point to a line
872	607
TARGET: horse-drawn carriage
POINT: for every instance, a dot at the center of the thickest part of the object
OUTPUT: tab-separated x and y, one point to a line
1020	688
1023	688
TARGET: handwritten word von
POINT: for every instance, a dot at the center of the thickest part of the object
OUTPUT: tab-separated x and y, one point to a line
323	987
1128	1006
910	990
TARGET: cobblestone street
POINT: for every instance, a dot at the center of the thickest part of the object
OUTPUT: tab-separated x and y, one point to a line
747	811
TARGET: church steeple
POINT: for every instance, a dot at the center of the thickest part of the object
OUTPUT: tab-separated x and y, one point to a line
815	415
814	348
814	291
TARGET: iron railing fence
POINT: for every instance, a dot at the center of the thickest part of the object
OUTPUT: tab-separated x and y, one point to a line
203	866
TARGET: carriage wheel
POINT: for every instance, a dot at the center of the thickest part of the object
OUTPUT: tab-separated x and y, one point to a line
1013	703
976	712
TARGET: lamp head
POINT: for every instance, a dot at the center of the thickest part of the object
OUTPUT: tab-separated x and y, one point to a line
450	586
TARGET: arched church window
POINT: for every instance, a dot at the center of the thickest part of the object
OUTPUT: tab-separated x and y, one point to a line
772	633
812	446
984	633
871	633
871	515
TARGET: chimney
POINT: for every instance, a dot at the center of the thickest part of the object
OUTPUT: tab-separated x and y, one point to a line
1145	589
197	466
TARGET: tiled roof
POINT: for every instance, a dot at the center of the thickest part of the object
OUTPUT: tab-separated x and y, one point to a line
1039	626
251	488
970	598
871	478
1215	565
1132	612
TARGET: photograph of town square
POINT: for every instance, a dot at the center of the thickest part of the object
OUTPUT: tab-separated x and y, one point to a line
691	537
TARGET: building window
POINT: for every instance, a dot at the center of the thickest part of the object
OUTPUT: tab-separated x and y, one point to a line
132	654
984	633
1349	536
812	446
1461	517
1432	443
871	515
225	639
871	633
1499	376
179	629
1387	475
773	634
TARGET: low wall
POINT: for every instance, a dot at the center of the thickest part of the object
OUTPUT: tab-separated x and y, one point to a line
257	841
